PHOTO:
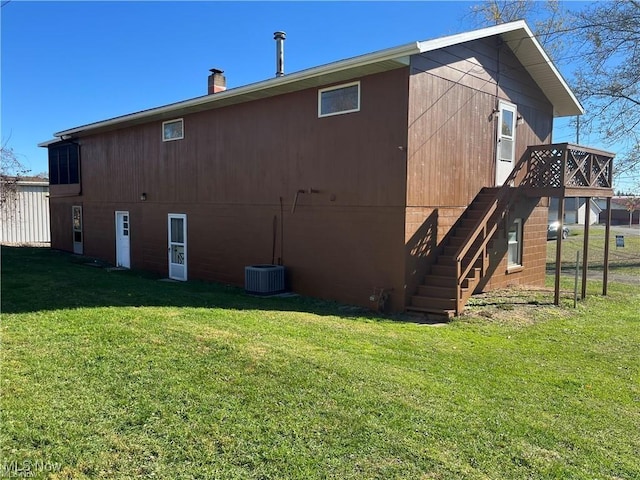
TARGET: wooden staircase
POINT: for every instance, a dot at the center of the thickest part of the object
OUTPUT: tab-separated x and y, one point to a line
462	261
437	293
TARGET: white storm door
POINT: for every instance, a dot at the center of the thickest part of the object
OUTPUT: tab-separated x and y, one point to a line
177	246
122	240
78	240
505	161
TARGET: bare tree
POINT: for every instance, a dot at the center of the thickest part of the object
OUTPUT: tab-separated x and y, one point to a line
11	170
608	79
547	19
602	42
632	204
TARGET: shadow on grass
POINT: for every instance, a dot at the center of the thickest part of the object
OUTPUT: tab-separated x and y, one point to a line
39	279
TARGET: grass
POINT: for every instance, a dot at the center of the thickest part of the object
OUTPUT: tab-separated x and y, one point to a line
623	261
117	375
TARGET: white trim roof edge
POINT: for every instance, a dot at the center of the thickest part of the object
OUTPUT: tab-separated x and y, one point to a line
379	56
548	62
43	183
442	42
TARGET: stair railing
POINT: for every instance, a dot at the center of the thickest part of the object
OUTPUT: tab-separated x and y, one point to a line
554	166
486	226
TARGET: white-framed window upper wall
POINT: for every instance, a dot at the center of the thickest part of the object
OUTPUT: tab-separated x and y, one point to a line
173	130
339	99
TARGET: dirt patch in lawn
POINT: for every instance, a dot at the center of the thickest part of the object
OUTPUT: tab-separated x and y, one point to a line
514	305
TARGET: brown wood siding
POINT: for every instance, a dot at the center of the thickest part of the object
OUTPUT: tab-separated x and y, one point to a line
61	223
452	134
230	173
452	141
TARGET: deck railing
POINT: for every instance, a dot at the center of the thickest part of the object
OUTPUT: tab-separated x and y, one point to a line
547	167
569	166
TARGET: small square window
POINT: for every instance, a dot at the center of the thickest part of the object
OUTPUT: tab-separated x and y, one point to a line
338	100
172	130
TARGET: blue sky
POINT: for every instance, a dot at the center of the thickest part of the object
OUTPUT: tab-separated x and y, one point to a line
66	64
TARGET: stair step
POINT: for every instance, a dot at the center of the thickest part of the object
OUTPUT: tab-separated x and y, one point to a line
463	230
444	270
450	271
437	294
450	260
433	302
439	281
434	311
456	241
474	212
451	250
437	291
446	282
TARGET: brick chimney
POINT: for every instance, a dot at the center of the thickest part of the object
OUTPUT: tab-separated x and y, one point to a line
217	81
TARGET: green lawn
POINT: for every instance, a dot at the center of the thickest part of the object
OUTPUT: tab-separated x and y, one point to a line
621	260
119	375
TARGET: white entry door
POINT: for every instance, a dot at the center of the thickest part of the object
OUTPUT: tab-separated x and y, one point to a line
122	240
177	246
505	161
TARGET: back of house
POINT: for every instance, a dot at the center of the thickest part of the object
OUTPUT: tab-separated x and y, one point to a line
365	178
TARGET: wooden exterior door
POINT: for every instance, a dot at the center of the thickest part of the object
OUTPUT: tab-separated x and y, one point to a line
122	240
177	228
505	158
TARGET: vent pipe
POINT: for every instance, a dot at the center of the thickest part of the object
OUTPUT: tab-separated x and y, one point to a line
279	38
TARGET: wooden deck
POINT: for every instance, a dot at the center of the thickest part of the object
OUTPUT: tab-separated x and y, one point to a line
557	170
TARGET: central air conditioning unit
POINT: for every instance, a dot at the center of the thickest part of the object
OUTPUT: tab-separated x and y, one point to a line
264	279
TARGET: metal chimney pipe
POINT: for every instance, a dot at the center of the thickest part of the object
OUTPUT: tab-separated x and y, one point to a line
279	37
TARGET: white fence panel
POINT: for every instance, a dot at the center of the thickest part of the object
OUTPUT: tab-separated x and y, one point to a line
25	218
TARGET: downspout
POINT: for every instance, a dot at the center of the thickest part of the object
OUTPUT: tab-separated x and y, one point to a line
496	108
281	260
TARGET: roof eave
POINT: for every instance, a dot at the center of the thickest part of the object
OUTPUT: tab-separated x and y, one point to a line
542	70
518	34
395	53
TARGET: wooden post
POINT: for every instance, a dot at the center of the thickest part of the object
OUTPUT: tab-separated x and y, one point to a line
607	234
575	282
585	247
556	296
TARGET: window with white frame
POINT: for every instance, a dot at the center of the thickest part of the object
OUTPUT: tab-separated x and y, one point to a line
172	130
339	99
515	244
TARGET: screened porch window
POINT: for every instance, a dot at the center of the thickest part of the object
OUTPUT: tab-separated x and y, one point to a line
64	164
